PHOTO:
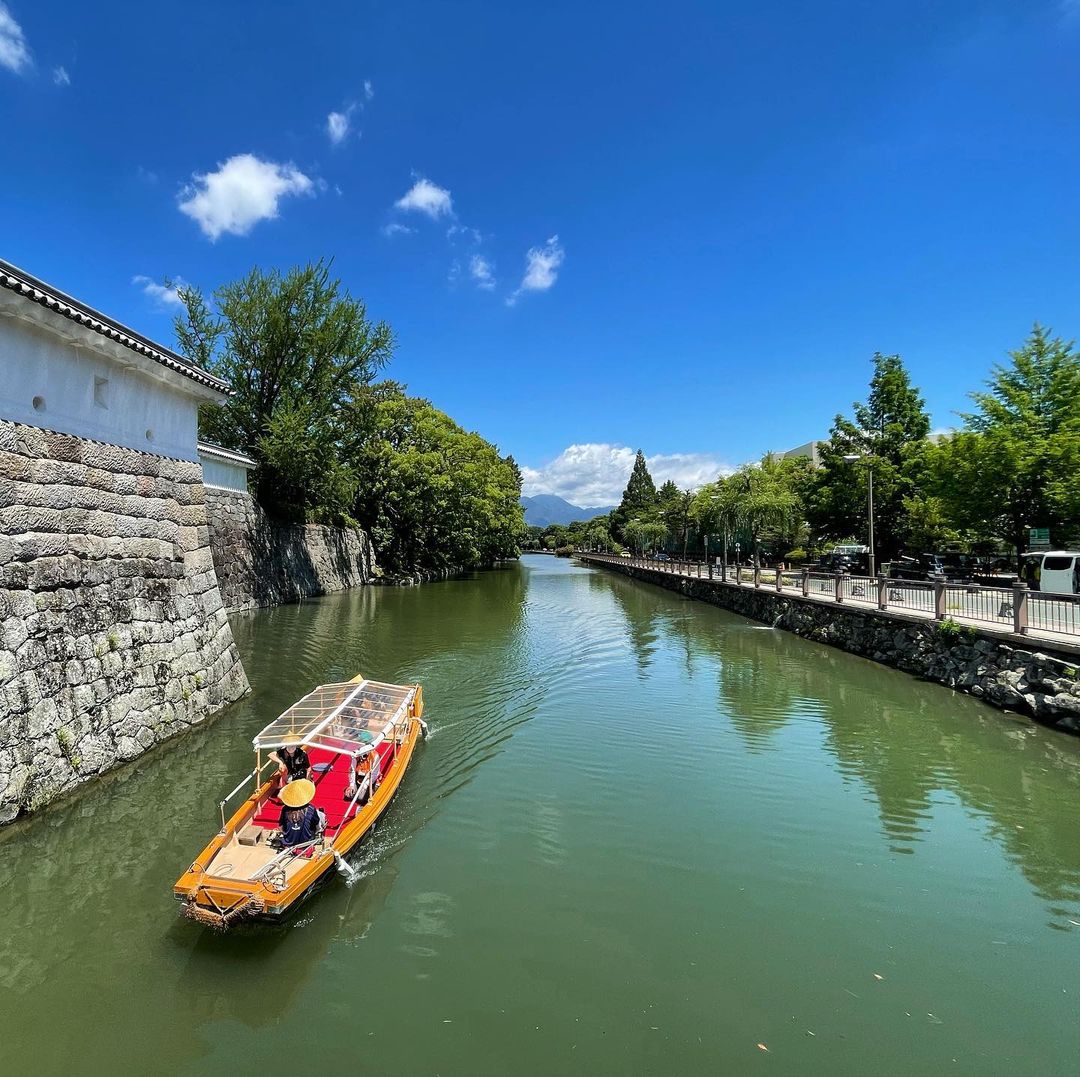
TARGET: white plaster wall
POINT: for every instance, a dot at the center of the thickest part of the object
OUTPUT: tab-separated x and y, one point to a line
37	363
223	475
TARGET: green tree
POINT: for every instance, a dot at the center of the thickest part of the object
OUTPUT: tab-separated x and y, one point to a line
639	498
434	495
296	349
762	499
884	431
677	515
1014	466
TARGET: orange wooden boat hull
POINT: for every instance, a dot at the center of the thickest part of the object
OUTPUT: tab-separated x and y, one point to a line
219	901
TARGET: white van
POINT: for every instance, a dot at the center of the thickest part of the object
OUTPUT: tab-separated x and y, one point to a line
1057	571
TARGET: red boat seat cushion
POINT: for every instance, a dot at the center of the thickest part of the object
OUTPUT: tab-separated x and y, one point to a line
330	786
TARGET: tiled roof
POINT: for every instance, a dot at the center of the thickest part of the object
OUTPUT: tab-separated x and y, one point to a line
219	452
21	283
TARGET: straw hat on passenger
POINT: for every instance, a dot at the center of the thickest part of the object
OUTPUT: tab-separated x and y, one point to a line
290	739
297	794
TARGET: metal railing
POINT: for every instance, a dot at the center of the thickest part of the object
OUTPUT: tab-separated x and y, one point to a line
1016	608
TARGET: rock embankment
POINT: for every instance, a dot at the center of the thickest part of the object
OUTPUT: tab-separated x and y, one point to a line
113	635
261	562
1033	680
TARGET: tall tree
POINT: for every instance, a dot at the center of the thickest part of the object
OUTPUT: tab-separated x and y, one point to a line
1015	464
296	348
639	498
884	431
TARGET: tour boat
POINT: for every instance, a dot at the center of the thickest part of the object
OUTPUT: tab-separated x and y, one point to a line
359	725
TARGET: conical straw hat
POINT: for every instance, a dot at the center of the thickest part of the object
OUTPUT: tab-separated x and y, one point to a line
297	794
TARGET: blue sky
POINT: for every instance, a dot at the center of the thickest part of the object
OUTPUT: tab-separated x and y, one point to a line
684	227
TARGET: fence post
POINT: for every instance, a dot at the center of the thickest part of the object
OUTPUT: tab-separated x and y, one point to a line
805	582
779	579
710	570
1020	608
882	594
939	600
839	587
757	574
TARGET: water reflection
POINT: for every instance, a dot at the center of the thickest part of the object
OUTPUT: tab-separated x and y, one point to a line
905	741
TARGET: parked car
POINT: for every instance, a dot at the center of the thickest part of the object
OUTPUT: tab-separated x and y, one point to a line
923	566
661	557
853	564
1056	571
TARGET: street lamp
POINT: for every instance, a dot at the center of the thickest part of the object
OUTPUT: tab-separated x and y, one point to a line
852	458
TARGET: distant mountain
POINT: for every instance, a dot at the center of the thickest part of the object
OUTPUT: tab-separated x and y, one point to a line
545	509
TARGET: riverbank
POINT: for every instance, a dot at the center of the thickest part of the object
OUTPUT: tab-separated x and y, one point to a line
1042	682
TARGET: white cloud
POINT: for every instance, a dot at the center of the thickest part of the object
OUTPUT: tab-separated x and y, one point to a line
541	269
14	52
338	125
243	191
595	474
457	229
428	198
369	90
61	77
165	295
396	228
483	272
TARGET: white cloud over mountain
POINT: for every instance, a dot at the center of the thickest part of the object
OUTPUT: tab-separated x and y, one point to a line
595	474
243	191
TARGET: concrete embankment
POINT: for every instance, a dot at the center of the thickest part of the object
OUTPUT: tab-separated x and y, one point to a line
114	636
1042	681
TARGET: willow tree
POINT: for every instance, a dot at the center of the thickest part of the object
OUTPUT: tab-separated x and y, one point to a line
761	499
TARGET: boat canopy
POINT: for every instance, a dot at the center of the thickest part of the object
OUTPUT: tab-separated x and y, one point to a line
353	718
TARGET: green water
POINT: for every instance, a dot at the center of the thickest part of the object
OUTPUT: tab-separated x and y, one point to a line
644	837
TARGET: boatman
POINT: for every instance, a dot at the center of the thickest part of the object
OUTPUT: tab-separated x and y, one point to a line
292	760
301	822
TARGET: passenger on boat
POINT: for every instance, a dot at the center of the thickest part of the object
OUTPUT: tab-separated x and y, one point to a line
366	775
292	760
301	822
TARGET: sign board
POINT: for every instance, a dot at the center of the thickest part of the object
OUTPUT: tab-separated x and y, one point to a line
1038	538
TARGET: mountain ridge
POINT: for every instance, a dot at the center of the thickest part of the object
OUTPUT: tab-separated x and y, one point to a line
542	510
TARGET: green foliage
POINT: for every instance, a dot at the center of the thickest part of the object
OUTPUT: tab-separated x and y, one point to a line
638	499
433	495
564	551
950	631
763	500
332	447
297	350
1015	465
885	430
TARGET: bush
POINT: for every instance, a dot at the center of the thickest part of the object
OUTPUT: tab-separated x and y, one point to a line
564	551
796	556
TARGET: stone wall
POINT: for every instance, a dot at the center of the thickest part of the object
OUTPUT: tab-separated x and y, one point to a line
263	563
114	636
1041	682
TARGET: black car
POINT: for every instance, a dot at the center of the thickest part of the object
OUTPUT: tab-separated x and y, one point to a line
923	566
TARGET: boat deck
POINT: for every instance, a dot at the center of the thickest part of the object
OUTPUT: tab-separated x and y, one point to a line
248	850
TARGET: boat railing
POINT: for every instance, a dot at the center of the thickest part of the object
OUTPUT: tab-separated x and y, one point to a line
243	781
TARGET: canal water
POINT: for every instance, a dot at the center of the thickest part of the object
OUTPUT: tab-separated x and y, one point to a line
645	837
